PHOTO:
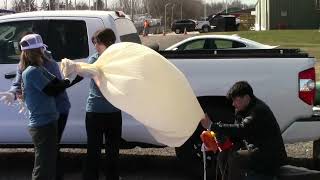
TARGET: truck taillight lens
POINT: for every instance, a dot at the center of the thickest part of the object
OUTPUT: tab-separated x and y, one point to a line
307	86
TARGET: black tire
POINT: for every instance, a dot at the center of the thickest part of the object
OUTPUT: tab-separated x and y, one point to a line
190	156
190	152
205	29
316	154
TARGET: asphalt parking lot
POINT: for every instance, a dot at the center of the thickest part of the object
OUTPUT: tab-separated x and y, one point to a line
136	164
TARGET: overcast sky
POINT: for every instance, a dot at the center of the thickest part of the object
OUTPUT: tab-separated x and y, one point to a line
2	2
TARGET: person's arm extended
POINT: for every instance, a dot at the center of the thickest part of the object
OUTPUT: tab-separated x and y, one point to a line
57	73
16	83
56	87
76	80
234	130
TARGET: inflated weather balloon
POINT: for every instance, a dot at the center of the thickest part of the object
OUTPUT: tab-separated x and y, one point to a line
144	84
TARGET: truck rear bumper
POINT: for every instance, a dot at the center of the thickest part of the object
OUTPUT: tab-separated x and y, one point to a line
302	130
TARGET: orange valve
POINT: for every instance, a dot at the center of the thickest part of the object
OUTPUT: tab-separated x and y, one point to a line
208	139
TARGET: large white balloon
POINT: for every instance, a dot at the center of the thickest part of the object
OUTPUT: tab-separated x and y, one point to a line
141	82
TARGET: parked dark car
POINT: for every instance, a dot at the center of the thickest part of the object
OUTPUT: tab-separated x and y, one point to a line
224	22
179	26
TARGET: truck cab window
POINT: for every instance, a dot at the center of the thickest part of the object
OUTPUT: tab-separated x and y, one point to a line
10	35
68	38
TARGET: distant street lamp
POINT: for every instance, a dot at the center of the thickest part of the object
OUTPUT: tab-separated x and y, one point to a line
165	17
226	6
172	13
205	10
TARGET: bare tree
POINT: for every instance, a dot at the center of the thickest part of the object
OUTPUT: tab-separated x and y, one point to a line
82	6
66	4
44	5
24	5
52	4
99	4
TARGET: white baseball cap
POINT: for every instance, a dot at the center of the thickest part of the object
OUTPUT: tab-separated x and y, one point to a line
32	41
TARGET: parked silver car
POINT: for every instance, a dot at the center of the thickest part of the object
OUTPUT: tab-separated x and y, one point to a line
212	42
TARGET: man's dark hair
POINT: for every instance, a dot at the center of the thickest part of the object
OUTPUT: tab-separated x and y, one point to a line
240	89
105	36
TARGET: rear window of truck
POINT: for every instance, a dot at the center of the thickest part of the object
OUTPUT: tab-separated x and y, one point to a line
127	31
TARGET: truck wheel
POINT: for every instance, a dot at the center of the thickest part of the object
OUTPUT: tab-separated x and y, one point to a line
190	152
177	31
190	156
205	29
316	153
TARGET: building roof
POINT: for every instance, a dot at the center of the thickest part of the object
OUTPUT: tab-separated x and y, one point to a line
63	13
238	11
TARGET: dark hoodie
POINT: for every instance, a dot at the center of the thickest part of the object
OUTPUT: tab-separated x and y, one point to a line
257	127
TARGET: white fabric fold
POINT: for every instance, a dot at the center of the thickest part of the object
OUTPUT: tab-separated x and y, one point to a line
141	82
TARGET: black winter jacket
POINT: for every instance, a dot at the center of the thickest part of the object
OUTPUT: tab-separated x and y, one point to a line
256	126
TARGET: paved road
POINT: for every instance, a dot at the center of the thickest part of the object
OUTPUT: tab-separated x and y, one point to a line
136	164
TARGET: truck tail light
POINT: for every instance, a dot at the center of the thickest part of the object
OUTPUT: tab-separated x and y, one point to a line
307	86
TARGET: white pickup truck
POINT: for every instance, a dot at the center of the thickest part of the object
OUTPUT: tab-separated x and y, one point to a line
284	79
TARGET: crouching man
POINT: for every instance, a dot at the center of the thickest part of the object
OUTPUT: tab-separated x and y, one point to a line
258	150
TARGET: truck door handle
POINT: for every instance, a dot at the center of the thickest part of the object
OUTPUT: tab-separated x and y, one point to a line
10	75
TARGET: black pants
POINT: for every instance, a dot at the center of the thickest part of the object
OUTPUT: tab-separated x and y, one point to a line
62	121
233	164
109	126
44	139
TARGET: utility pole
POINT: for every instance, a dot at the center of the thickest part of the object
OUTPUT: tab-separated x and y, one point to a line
75	4
106	4
260	8
165	17
6	4
181	11
205	10
131	10
97	4
89	5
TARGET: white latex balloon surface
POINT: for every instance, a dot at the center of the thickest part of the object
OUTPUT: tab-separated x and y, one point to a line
141	82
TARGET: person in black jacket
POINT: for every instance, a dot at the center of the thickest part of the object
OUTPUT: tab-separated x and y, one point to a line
258	150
